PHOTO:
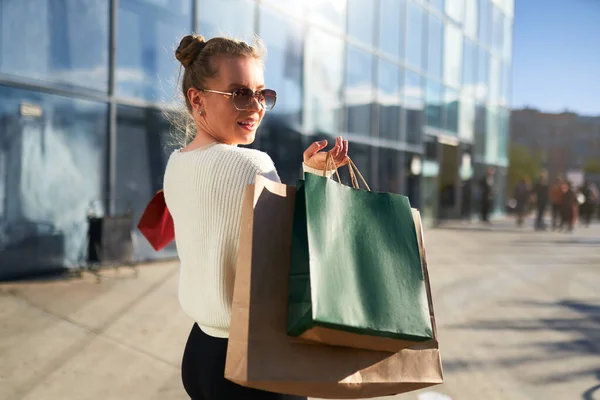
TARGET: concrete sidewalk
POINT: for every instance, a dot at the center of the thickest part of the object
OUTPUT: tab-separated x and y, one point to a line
518	314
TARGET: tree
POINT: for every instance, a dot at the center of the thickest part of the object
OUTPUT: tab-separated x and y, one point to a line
522	164
592	167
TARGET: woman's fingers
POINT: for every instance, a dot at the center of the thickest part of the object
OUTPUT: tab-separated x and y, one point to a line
314	149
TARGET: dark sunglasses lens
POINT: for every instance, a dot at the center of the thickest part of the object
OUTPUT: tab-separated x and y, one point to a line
242	98
270	98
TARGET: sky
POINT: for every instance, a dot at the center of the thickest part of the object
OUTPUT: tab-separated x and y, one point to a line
556	55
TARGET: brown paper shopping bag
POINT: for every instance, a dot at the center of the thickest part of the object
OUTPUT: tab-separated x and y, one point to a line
262	356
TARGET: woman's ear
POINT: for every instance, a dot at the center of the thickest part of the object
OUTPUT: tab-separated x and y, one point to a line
195	98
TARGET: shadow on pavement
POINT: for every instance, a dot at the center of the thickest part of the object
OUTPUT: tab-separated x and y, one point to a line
586	328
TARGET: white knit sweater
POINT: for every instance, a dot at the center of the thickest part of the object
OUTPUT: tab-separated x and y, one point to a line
204	189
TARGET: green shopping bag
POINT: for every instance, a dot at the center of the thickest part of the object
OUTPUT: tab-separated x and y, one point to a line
356	277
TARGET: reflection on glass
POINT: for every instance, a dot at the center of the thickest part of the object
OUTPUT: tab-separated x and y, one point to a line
51	171
485	22
283	68
143	149
451	106
469	74
467	118
293	7
323	81
452	55
495	80
361	20
359	90
438	4
414	103
148	35
414	39
391	170
471	17
331	13
389	100
491	138
436	47
480	129
434	108
231	18
455	9
505	85
498	30
391	23
483	68
56	41
508	29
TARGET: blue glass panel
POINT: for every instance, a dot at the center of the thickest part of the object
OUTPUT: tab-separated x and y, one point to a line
414	102
436	48
63	42
330	13
144	142
415	40
434	108
148	35
359	90
52	162
284	64
391	27
389	100
232	18
361	20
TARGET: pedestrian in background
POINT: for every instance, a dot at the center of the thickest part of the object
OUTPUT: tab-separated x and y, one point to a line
522	195
569	207
541	191
487	195
556	195
588	205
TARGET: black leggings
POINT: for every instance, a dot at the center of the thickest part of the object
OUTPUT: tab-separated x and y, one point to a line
203	370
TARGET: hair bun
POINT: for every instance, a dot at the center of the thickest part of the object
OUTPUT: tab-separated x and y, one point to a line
189	48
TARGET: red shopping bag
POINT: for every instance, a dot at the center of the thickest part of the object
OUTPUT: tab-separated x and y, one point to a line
156	223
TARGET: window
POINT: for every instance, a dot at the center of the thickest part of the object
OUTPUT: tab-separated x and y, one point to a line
391	27
483	68
361	20
414	40
495	80
391	170
469	75
389	100
480	130
455	9
451	107
485	22
505	85
436	48
498	30
452	55
143	149
148	35
284	63
466	122
508	28
293	7
437	4
414	103
330	13
56	41
471	13
359	90
434	108
491	138
323	83
233	18
54	149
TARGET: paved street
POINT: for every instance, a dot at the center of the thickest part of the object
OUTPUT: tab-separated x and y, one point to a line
518	315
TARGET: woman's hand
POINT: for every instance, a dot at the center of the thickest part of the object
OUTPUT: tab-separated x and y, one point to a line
315	158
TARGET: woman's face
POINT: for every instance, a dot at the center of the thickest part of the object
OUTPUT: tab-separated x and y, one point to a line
219	117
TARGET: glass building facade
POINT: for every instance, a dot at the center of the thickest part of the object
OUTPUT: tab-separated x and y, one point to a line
419	87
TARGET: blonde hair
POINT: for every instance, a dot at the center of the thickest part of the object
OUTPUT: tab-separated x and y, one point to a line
197	56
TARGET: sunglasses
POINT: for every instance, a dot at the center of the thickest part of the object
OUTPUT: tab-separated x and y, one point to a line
243	98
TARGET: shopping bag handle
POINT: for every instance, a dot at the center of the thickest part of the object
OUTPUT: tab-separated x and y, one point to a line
352	169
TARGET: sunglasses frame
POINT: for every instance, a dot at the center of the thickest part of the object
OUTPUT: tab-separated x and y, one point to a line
254	96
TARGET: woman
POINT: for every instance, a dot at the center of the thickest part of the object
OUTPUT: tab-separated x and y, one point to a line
225	95
569	207
522	195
